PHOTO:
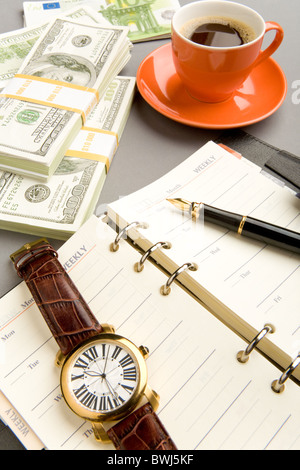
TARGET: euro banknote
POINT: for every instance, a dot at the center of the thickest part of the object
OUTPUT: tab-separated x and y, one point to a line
146	20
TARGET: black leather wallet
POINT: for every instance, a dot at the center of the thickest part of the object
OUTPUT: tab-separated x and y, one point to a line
282	164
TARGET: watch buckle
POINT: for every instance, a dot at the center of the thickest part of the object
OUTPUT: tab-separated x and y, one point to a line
27	248
100	433
59	358
152	397
108	328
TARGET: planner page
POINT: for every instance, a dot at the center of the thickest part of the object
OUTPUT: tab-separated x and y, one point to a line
208	400
247	282
20	428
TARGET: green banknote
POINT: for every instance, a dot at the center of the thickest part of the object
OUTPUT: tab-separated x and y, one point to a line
146	19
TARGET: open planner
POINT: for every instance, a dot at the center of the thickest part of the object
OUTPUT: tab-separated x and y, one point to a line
208	399
246	283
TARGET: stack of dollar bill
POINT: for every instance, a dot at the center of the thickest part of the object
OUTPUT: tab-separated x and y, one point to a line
34	135
16	45
58	208
146	19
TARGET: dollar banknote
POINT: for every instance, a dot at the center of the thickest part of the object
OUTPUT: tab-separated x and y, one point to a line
35	135
58	207
16	45
146	19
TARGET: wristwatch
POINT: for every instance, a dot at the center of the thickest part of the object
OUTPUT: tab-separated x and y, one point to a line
103	375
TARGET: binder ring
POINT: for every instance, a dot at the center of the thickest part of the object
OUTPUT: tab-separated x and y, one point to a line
243	356
278	385
115	245
140	265
166	289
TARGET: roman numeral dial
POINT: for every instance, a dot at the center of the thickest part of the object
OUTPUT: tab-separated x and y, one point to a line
104	376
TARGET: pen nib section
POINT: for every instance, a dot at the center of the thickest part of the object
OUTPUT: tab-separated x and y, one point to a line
181	204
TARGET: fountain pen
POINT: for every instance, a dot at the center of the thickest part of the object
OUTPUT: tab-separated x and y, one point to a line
243	225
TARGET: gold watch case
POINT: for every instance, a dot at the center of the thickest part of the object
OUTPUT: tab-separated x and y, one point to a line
142	388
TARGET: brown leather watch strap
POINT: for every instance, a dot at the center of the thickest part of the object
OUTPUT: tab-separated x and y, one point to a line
61	304
141	430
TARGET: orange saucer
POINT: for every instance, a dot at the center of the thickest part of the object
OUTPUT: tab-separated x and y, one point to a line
260	95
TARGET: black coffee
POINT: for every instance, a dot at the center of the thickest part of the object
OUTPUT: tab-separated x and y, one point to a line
217	35
218	31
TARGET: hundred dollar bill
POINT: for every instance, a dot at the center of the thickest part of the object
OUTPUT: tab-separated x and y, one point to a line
16	45
59	207
146	19
34	135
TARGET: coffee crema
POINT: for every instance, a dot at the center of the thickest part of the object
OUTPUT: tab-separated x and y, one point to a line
218	31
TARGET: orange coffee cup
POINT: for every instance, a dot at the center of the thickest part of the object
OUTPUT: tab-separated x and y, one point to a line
212	74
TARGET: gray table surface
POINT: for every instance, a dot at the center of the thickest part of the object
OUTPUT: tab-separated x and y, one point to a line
153	144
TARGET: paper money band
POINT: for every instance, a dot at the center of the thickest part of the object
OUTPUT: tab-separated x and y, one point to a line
53	93
89	142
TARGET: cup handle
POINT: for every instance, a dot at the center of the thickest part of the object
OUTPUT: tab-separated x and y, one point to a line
270	25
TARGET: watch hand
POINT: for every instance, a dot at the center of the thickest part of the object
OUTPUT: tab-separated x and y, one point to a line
98	365
92	373
111	370
106	360
110	388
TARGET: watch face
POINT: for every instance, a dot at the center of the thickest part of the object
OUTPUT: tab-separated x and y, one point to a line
103	377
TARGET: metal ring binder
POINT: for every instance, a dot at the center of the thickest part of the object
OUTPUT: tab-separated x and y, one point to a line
243	356
278	385
115	245
166	289
140	265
